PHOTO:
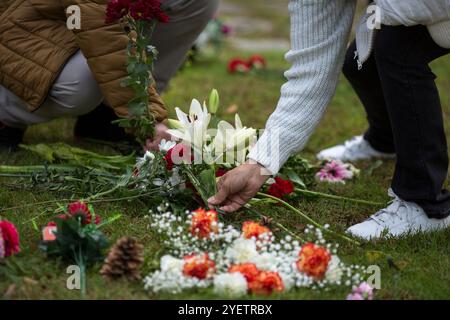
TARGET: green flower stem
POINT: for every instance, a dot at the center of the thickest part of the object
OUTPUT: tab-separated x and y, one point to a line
279	225
37	168
314	223
339	198
196	183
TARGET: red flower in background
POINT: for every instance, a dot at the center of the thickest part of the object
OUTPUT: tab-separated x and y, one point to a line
238	66
265	283
257	62
253	229
148	10
248	270
116	10
179	153
198	266
313	260
281	188
80	209
9	238
204	223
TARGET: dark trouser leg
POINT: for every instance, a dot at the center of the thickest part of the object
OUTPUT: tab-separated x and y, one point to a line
402	55
367	85
188	18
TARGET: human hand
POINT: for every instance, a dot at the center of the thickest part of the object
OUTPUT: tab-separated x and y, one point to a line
238	186
160	134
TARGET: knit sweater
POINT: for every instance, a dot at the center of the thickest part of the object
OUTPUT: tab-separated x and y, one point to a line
319	35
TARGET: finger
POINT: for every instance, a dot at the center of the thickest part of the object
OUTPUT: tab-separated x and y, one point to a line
233	203
233	206
221	195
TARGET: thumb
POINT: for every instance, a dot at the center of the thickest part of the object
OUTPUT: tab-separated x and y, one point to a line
220	196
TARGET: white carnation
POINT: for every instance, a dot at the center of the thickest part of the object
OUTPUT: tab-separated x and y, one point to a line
230	284
334	271
170	264
242	250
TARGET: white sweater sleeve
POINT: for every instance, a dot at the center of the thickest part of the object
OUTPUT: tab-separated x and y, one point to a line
319	35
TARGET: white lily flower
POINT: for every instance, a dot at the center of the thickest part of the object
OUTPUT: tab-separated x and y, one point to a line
193	127
228	137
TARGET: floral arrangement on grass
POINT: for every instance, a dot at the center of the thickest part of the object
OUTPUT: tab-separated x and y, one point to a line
9	239
75	236
204	252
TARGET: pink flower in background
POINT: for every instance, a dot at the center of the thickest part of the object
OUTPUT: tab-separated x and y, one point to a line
335	172
9	238
226	30
354	296
363	292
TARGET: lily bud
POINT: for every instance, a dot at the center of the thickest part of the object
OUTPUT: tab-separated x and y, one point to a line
174	124
213	101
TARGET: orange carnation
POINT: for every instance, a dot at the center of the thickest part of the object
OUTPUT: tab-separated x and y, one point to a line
198	266
313	260
204	223
248	270
253	229
265	283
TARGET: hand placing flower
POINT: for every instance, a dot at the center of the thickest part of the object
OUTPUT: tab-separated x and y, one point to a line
160	134
238	186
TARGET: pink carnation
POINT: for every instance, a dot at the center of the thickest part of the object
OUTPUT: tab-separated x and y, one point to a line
335	172
9	239
363	292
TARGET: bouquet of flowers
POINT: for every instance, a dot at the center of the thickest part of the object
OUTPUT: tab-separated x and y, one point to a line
204	252
139	18
75	236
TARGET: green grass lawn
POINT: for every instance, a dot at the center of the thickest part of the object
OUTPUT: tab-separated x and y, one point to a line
420	267
416	267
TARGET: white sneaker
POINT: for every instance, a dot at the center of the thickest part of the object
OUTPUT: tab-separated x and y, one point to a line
354	149
399	218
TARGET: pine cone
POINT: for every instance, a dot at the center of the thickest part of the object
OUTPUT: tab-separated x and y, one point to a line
124	260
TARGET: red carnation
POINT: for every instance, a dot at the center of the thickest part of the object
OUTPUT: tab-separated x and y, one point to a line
148	10
221	172
281	188
257	62
248	270
80	209
10	238
178	154
238	65
116	10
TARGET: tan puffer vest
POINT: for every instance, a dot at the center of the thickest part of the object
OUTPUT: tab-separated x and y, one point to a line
35	44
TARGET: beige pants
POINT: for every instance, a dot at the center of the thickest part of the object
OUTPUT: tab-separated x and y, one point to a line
75	91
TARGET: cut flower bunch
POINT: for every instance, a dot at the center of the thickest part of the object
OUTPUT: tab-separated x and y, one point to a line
203	252
139	18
